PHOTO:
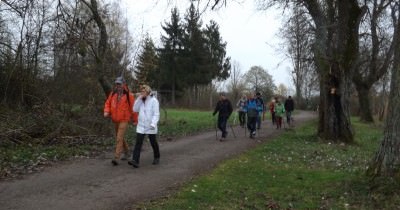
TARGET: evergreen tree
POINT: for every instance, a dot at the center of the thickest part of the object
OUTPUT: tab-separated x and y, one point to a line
195	51
147	66
219	66
171	53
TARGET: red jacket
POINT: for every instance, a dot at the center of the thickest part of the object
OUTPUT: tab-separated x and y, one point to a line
272	107
122	110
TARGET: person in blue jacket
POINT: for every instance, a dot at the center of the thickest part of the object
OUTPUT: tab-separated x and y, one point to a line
252	114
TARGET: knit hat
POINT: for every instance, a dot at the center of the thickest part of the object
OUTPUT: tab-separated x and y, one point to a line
119	80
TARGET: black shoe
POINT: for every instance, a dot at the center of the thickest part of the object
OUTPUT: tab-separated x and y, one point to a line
133	163
225	134
156	161
114	162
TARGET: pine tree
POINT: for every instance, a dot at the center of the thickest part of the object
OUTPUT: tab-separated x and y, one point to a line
219	65
147	66
171	53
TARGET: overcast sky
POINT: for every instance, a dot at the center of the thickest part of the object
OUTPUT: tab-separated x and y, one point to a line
251	36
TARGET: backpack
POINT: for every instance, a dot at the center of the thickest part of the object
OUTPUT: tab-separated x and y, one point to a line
252	108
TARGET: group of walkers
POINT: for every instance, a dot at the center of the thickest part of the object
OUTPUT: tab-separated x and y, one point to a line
144	112
251	112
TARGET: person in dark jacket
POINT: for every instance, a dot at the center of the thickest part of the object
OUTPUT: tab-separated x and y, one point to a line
289	107
224	109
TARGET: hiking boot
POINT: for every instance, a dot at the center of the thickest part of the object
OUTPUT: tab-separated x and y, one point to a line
133	163
156	161
114	162
224	134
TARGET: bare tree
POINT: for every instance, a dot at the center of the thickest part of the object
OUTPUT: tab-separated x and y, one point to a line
236	84
376	54
258	79
387	158
299	34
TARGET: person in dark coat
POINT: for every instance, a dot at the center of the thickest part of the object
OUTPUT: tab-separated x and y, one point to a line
224	109
289	107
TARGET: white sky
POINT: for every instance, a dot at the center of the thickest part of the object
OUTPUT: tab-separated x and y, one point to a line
251	35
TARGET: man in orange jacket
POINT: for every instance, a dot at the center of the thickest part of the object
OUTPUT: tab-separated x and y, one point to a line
119	106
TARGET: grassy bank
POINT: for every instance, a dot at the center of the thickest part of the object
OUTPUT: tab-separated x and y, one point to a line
294	171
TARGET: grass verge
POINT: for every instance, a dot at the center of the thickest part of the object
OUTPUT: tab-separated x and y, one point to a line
294	171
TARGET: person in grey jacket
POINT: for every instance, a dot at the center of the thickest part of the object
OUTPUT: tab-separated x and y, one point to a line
149	114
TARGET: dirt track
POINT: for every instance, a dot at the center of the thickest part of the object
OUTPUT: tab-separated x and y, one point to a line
96	184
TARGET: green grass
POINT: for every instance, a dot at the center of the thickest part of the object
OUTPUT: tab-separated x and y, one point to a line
294	171
180	122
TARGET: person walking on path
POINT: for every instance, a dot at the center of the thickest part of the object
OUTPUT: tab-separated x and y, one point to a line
118	106
289	107
252	114
279	113
148	108
224	109
241	105
260	109
272	111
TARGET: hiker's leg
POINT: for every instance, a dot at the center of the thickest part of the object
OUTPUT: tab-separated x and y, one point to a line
252	122
258	121
138	147
220	123
273	118
154	145
120	131
223	126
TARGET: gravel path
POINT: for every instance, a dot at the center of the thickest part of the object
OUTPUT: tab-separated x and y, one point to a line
96	184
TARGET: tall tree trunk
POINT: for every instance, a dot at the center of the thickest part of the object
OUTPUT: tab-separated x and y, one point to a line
364	103
336	54
335	120
387	159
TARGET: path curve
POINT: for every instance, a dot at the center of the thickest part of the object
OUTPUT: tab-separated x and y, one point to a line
89	184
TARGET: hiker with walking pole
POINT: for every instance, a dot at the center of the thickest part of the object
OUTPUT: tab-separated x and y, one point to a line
224	109
252	114
241	110
260	109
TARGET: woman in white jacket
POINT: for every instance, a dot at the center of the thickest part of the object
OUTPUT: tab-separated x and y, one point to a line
149	114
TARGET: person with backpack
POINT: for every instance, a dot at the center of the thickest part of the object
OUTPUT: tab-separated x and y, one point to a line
260	108
289	107
252	114
118	106
224	109
148	108
279	113
272	110
241	105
